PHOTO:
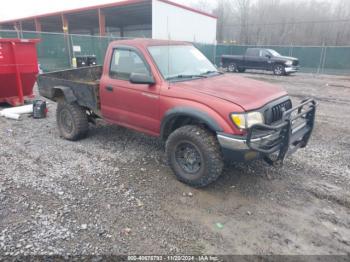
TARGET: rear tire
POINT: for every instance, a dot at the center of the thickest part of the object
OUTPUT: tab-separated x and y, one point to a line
279	70
72	121
241	70
232	68
194	155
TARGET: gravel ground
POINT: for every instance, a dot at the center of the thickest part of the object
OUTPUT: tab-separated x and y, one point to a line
112	193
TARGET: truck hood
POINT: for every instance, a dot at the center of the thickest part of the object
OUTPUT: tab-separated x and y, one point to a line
248	93
286	58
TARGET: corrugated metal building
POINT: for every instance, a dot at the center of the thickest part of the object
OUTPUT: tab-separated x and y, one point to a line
159	19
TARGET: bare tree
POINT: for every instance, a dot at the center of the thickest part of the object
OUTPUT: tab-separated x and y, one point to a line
282	22
243	13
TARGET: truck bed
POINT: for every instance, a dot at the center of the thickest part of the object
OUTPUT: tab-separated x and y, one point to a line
83	82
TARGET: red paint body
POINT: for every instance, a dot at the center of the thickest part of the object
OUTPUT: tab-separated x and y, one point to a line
18	70
143	107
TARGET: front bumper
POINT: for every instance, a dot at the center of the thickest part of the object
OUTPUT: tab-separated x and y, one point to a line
291	69
286	137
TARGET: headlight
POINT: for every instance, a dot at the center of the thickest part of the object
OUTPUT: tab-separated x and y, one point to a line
289	63
245	121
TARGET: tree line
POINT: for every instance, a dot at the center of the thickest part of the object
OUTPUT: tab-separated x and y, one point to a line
281	22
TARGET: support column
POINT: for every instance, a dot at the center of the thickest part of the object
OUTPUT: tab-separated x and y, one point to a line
102	22
18	27
37	23
65	24
68	41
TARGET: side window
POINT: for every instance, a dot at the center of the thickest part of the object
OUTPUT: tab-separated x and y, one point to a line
125	62
263	53
252	52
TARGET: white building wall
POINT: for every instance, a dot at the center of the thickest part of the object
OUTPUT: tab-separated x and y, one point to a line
176	23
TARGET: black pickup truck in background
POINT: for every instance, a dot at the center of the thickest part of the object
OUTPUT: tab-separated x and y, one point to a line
261	59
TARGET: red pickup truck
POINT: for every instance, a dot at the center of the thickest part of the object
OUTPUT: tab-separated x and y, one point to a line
169	89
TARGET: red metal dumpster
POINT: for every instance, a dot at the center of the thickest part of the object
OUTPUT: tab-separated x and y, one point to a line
18	69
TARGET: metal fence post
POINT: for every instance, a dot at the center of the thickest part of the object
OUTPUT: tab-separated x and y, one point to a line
321	59
324	59
214	53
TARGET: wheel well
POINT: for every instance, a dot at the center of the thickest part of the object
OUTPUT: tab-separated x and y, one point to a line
278	64
58	95
180	121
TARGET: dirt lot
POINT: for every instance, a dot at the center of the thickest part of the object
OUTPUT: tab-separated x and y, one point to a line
112	193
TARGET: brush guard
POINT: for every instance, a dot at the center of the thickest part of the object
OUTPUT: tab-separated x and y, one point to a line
293	132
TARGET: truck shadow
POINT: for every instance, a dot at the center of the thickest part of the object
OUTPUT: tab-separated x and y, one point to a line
122	140
124	137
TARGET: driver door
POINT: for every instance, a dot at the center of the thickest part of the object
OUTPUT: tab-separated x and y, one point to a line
264	59
127	104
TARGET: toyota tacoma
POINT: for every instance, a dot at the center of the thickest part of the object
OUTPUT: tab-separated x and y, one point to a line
170	90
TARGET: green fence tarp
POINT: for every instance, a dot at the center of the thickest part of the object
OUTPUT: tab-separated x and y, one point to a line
329	60
55	52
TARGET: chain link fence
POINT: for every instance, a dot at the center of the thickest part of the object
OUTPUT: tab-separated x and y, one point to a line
56	51
313	59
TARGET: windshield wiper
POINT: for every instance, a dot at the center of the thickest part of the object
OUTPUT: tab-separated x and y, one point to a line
211	72
186	76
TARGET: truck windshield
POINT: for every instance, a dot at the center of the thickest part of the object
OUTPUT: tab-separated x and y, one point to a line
273	52
181	62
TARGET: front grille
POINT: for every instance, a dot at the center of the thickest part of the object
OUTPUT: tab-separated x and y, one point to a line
278	110
296	63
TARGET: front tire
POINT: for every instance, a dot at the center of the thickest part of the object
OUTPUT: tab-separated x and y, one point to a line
72	121
279	70
194	155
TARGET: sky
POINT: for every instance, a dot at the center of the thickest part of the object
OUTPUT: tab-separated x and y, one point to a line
13	9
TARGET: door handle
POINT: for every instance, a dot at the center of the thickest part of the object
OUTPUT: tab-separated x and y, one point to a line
109	88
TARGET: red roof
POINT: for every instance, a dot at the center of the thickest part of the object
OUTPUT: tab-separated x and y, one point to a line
121	3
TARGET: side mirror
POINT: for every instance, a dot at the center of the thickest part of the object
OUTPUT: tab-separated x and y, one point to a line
137	78
268	56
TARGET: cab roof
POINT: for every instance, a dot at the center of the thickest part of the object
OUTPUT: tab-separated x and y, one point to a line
146	42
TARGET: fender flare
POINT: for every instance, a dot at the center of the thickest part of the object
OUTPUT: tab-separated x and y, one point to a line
67	92
188	112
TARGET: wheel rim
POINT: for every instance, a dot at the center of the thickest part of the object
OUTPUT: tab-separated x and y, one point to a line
278	70
232	68
66	121
188	157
